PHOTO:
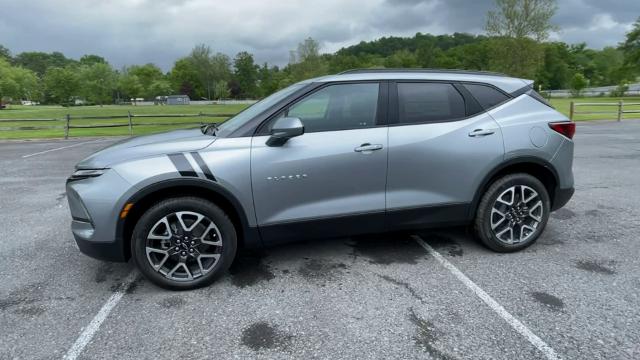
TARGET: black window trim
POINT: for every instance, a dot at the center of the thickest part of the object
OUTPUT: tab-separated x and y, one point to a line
381	113
465	93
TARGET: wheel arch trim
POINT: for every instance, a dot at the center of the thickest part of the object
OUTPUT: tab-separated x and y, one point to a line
519	160
247	234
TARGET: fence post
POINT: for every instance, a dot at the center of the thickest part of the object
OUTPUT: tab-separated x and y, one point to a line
66	127
130	123
620	110
571	111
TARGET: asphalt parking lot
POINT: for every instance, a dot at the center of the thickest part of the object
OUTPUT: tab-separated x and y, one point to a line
438	294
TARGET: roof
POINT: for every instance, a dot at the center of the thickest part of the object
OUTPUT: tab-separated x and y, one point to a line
506	83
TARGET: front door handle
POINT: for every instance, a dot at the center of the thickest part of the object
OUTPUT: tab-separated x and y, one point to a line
367	148
481	132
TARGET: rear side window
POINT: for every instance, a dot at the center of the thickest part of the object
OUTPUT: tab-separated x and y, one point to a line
486	96
429	102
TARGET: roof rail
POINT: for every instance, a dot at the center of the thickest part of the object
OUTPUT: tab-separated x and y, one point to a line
420	70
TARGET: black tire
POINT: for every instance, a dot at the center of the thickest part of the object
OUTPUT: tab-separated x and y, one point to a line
482	223
173	205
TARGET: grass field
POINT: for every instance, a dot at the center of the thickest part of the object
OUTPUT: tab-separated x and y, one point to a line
58	112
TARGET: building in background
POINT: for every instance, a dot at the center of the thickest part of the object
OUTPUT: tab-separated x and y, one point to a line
177	100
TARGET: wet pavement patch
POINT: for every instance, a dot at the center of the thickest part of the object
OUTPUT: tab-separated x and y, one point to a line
563	214
103	272
31	310
315	269
172	302
596	266
385	250
594	212
249	269
262	335
548	300
426	336
444	244
23	296
402	284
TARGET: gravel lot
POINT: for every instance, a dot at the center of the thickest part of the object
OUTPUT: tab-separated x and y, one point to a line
577	291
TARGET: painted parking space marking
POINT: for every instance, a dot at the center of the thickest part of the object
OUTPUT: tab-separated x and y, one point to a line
88	333
60	148
518	326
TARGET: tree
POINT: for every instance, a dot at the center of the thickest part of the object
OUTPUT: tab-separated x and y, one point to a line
201	59
17	83
522	18
62	84
92	59
160	87
146	74
129	85
221	91
5	53
184	79
40	62
578	83
98	82
245	74
631	47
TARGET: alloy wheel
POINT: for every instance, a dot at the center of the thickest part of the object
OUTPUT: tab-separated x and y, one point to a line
516	214
184	246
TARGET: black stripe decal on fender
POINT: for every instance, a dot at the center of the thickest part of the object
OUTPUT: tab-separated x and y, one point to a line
205	169
182	165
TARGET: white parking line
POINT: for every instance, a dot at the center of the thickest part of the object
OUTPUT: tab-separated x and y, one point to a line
60	148
88	333
494	305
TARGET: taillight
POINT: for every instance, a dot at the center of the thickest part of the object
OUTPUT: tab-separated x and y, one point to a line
566	128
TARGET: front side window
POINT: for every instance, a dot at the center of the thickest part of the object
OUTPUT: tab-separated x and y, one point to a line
429	102
338	107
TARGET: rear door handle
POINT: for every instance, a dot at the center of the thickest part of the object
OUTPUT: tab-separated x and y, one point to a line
481	132
368	148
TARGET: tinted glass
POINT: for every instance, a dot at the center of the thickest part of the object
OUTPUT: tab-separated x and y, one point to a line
487	96
338	107
429	102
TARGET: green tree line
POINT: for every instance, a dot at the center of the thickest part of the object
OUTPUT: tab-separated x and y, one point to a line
515	43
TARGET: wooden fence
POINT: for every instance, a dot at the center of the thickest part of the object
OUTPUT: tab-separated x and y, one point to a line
619	110
67	122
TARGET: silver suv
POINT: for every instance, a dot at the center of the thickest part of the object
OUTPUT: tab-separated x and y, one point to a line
364	151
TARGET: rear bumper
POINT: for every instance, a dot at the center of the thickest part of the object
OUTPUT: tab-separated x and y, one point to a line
561	198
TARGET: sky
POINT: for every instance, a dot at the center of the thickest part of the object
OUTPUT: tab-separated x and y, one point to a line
128	32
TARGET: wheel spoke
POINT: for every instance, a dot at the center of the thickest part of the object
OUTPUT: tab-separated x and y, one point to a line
157	266
503	217
511	192
215	258
526	199
523	228
510	230
186	228
536	207
180	265
167	230
217	239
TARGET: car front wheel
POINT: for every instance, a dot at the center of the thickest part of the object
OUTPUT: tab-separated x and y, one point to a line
183	243
512	213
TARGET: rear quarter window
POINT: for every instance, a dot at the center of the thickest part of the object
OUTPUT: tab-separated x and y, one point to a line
486	96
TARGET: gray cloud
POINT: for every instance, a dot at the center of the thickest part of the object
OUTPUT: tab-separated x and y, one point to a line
160	31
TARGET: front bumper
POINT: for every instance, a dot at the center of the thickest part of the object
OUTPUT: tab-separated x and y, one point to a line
95	204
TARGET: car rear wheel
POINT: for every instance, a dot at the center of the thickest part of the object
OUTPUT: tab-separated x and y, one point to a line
512	213
183	243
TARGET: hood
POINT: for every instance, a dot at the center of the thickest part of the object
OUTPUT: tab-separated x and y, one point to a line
149	145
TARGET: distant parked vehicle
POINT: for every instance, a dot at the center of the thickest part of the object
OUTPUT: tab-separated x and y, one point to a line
2	106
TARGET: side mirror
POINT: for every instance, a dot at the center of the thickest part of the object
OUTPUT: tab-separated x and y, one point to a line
284	129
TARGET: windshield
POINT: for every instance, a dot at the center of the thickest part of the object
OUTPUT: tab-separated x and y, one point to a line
249	113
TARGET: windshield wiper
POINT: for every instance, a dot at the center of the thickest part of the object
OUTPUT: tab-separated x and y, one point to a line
209	129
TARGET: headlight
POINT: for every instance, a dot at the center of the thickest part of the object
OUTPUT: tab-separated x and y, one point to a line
86	173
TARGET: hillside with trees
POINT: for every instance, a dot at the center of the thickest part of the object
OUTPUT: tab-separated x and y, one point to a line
514	44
